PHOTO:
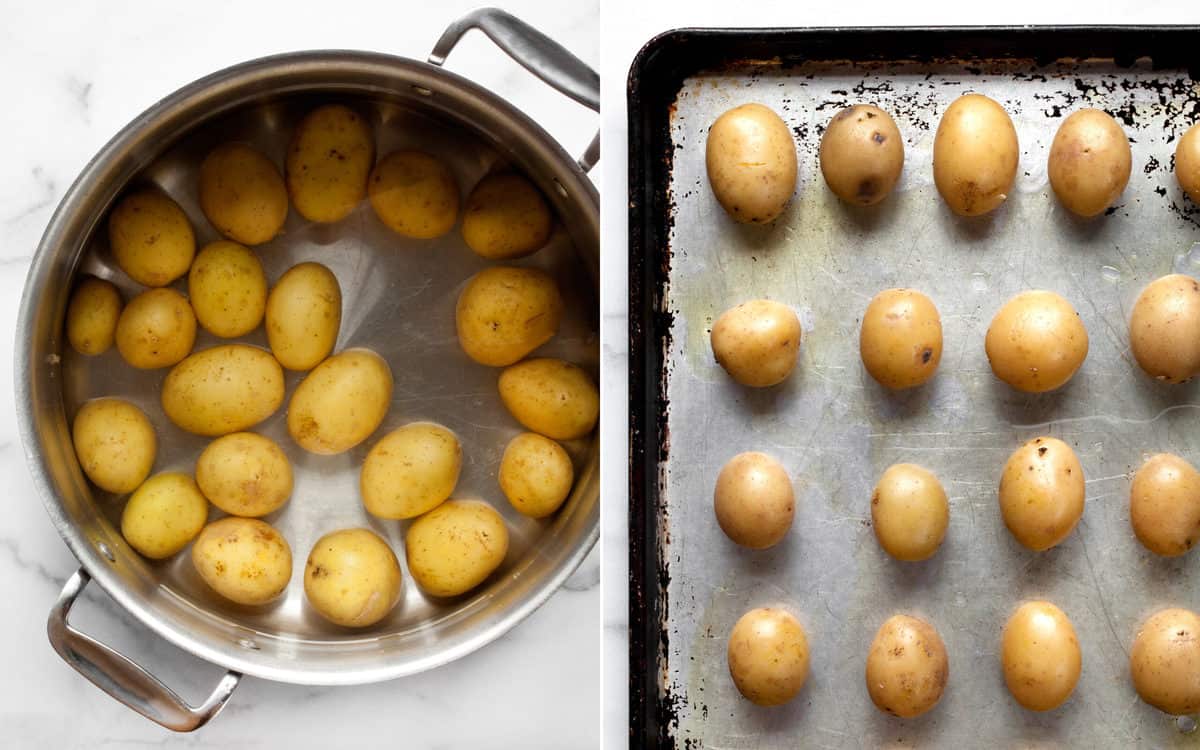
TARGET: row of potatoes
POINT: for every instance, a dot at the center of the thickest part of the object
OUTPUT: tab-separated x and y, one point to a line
352	576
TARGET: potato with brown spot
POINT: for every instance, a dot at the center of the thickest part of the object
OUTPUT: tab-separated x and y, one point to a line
907	667
151	238
245	474
1187	163
228	289
224	389
757	342
115	444
862	154
506	217
536	475
975	155
244	560
328	160
303	315
751	162
165	513
1036	342
754	501
1164	329
551	397
768	656
414	194
1164	505
352	578
1090	161
242	194
341	402
901	338
909	512
504	313
92	316
455	547
1165	661
1042	493
410	471
156	329
1040	655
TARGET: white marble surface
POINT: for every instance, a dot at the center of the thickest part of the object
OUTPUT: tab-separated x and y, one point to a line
74	74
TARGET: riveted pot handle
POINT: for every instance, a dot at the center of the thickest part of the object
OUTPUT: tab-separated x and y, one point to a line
120	677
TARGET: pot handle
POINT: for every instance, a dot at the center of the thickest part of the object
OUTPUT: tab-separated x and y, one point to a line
120	677
537	53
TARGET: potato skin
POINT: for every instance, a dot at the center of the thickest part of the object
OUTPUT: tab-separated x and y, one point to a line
341	402
1165	661
757	342
414	194
754	501
1090	161
1042	493
551	397
410	471
151	238
1036	342
1164	505
242	194
352	578
224	389
506	218
1040	656
156	329
862	154
536	475
909	512
92	316
907	667
328	160
751	161
975	155
1187	163
768	656
245	560
455	547
901	338
115	444
504	313
304	313
163	515
228	289
245	474
1164	328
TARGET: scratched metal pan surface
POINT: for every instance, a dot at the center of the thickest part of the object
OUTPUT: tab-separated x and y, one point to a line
836	430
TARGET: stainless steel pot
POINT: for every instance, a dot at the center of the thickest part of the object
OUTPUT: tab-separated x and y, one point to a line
398	300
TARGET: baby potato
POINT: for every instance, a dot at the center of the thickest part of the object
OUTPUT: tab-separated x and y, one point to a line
304	312
751	162
506	218
455	547
244	560
151	238
862	154
901	338
907	667
909	512
1036	342
1040	656
410	471
221	390
163	515
115	444
1165	661
1090	162
504	313
352	578
245	474
768	656
1164	329
535	474
341	402
1187	163
754	501
1164	505
757	342
414	194
228	289
975	155
242	194
551	397
156	329
1042	493
327	163
92	316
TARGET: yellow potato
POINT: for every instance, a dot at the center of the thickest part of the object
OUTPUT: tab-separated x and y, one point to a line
1164	329
221	390
242	194
1040	656
341	402
535	475
757	342
352	578
506	217
1042	493
751	162
1165	661
1089	162
228	289
862	154
1036	342
245	474
909	512
901	338
505	313
156	329
92	316
163	515
328	161
455	547
907	667
414	194
244	560
410	471
551	397
304	312
753	500
1164	505
975	155
115	444
768	656
151	238
1187	163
